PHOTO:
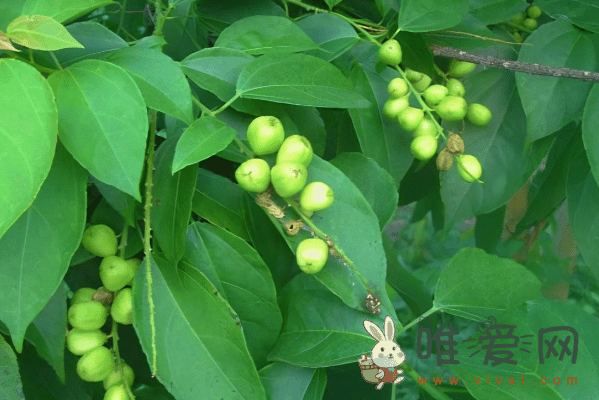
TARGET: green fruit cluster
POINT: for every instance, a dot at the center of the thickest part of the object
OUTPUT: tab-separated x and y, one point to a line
89	312
524	22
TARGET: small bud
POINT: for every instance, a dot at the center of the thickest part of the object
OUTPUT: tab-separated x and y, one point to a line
444	160
455	144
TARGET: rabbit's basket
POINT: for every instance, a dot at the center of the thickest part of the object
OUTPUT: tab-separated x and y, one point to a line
369	373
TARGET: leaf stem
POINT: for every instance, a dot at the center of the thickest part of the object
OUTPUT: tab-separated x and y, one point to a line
226	105
148	234
55	59
119	361
203	108
122	17
417	320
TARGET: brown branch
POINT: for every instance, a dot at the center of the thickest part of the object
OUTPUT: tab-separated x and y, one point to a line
534	69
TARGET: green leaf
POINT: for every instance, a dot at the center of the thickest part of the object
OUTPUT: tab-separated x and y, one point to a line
290	382
183	31
319	330
242	278
375	183
213	10
192	338
380	137
40	33
583	206
415	53
48	330
536	315
220	201
496	11
112	149
119	201
172	195
262	34
63	10
475	285
297	79
36	251
332	3
5	43
590	122
11	387
10	10
583	13
28	129
331	33
204	138
488	229
549	102
430	15
160	80
216	70
500	147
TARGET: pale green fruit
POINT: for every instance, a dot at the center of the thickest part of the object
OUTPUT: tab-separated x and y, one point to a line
534	11
410	118
413	76
80	342
87	316
115	273
530	24
288	178
265	135
422	84
434	94
469	168
397	88
393	107
455	87
253	175
390	52
116	393
134	263
479	114
121	309
100	240
82	295
452	108
426	128
114	378
95	365
316	196
424	147
459	69
312	255
295	148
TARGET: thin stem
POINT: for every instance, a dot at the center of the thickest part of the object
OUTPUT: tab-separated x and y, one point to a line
123	243
148	234
349	263
55	60
244	149
202	107
417	320
114	333
226	105
122	18
393	392
430	389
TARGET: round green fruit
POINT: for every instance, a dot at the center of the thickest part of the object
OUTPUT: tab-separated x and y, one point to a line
82	295
121	309
312	255
253	175
422	84
410	118
426	128
459	68
265	135
434	94
390	52
479	114
452	108
115	273
134	263
114	378
397	88
100	240
295	148
80	342
95	365
288	178
469	168
87	316
116	393
316	196
393	107
530	24
455	88
424	147
413	76
534	11
518	18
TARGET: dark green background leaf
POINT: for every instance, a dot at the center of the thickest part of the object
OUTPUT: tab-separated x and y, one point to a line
11	387
290	382
590	123
430	15
583	13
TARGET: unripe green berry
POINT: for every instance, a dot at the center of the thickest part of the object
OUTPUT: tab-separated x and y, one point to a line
534	11
116	393
82	295
114	378
316	196
397	88
452	108
410	118
393	107
455	88
530	24
517	37
288	178
95	365
88	316
469	168
459	68
265	135
434	94
413	76
115	273
518	18
422	84
134	263
80	342
426	128
312	255
424	147
121	309
253	175
479	114
295	148
390	52
100	240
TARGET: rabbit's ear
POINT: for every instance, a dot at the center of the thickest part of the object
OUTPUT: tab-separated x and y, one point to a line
389	328
374	330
